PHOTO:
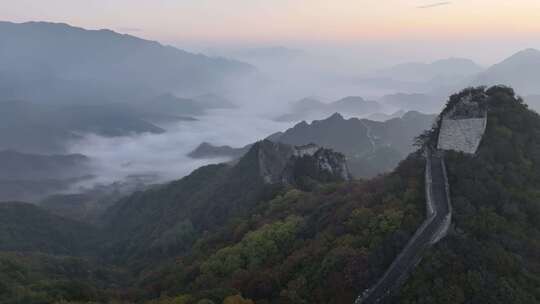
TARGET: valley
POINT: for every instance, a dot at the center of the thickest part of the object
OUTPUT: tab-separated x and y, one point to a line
279	153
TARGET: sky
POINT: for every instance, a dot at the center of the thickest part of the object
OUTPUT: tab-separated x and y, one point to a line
408	27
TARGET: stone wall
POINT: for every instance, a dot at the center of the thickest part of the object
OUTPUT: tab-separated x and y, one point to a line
462	135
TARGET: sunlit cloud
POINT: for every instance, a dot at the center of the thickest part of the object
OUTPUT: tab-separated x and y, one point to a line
433	5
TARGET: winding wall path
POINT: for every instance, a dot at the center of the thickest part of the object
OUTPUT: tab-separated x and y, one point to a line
434	228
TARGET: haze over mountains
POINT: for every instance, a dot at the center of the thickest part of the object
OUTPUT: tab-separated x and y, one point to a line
135	172
60	63
451	69
377	146
311	108
66	89
284	224
519	71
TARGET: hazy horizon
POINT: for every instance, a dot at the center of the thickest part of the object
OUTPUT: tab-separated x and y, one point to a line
363	33
330	51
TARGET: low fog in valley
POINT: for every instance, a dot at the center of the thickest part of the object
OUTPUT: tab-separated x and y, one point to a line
137	109
269	152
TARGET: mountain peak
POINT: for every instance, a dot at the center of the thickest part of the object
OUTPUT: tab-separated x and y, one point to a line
526	56
296	165
335	117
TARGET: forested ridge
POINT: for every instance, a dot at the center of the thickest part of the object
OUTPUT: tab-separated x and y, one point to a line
492	254
222	235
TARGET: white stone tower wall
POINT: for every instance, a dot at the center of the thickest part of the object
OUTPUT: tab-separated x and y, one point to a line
462	135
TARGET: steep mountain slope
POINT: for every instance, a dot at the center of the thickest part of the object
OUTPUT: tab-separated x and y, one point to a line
320	246
310	108
338	133
57	62
207	150
16	165
169	218
371	147
492	254
27	228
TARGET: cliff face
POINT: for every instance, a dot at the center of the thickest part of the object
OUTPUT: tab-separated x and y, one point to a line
281	163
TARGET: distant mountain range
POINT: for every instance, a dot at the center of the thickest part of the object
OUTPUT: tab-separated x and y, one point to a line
417	77
443	77
61	63
413	102
371	147
58	83
32	229
450	69
28	177
21	166
521	71
39	128
311	108
255	55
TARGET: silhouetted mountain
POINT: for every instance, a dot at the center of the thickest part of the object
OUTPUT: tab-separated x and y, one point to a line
89	204
30	177
355	105
207	150
520	71
39	128
371	147
310	108
384	117
445	70
23	166
413	102
27	228
363	141
60	63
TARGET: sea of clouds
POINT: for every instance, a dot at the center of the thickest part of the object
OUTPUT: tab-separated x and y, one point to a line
163	157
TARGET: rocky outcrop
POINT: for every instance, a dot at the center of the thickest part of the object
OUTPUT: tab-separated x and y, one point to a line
272	159
207	150
299	165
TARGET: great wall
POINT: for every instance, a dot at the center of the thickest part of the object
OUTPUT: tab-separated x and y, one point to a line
461	130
